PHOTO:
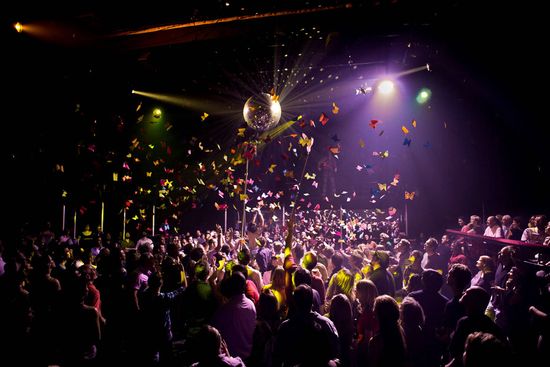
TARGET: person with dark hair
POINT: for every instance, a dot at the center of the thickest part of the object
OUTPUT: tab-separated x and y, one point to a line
254	230
414	267
303	276
475	301
433	303
494	228
251	291
485	277
245	257
236	319
264	255
366	322
265	332
412	320
483	347
458	279
380	276
155	320
211	350
199	300
306	338
341	315
515	231
461	223
309	261
387	348
432	259
337	261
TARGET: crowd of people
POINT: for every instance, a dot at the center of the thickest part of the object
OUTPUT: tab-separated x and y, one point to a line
324	289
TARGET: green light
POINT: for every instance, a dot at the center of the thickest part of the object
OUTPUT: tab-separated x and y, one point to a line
423	95
157	113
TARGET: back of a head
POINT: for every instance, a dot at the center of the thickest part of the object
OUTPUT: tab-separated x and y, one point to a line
340	309
382	257
303	298
412	314
236	285
202	269
244	256
155	280
417	255
386	310
208	342
268	306
366	292
251	227
432	280
309	260
301	276
475	301
483	347
432	243
459	276
241	269
337	260
415	283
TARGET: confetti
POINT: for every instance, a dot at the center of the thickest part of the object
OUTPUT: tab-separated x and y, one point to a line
323	119
407	142
204	116
373	123
335	108
404	129
409	195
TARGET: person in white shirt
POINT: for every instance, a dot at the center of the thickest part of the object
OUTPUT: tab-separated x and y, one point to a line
494	228
145	241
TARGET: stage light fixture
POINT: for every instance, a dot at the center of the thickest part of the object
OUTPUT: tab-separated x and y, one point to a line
386	87
423	95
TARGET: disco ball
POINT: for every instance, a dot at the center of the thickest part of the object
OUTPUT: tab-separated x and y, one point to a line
262	112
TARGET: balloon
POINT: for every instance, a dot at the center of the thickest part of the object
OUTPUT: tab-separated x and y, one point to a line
262	112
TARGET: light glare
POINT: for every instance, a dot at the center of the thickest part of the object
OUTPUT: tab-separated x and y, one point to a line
386	87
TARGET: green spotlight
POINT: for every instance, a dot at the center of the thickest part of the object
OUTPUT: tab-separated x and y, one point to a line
423	95
157	113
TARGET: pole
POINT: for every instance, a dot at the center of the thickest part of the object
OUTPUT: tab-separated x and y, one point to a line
225	221
283	220
406	220
244	201
102	215
124	225
74	225
63	220
153	230
341	224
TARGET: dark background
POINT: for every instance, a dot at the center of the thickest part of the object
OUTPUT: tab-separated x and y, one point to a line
480	146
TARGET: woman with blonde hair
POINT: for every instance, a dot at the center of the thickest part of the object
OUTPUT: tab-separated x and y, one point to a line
277	286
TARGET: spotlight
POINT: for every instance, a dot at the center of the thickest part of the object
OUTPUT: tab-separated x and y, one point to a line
423	95
386	87
18	27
